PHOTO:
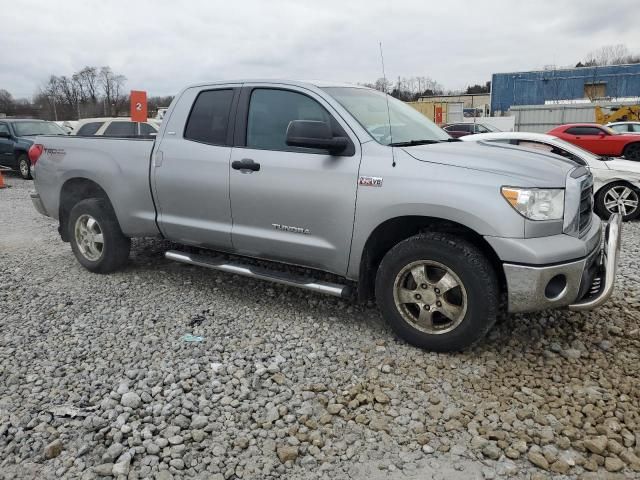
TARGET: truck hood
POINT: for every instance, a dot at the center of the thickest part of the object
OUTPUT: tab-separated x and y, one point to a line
529	168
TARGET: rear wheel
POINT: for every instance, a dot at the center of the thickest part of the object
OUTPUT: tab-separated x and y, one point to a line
619	198
438	292
96	238
24	166
632	152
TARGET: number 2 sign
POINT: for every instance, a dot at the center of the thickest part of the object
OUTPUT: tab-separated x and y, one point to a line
138	106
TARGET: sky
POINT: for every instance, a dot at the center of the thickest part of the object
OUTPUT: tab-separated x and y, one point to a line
162	45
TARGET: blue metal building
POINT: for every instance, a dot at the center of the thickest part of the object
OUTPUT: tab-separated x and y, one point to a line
537	87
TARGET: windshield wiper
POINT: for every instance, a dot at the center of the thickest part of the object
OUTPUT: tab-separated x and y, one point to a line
604	158
413	143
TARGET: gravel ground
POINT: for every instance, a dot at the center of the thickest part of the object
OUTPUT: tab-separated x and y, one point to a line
96	379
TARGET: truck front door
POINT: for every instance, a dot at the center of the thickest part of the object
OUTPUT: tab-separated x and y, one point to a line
289	203
190	168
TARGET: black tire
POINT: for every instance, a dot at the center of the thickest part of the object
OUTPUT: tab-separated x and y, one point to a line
632	151
24	166
115	246
603	212
477	276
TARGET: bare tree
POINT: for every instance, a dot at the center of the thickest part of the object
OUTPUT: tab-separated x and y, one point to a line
382	85
7	103
609	55
87	80
113	90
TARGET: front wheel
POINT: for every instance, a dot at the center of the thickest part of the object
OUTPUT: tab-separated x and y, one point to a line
96	238
619	198
438	292
24	166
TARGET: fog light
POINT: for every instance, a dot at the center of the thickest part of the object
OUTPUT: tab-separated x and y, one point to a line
556	287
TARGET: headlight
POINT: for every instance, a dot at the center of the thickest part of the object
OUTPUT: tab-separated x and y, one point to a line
536	203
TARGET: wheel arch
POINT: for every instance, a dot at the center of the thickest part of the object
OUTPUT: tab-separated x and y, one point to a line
617	181
74	190
392	231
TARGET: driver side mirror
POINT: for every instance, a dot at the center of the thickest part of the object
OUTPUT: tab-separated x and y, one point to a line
4	134
601	135
315	134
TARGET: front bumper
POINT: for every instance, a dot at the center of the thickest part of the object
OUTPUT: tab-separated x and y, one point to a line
581	285
37	204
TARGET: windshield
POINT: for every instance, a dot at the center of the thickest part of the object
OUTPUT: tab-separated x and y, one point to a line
578	151
485	127
26	129
369	108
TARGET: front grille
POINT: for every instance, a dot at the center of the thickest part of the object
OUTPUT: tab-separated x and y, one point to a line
586	208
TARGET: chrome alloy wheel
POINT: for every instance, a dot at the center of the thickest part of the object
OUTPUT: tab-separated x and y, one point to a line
88	236
430	297
24	167
621	199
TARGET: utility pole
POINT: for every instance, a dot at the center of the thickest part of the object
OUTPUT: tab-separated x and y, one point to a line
55	112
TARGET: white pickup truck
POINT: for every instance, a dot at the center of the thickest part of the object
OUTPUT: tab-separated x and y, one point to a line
346	180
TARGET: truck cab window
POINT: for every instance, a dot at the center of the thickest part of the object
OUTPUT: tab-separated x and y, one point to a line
209	118
270	113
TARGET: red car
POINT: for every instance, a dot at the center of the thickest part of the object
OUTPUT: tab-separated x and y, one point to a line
599	139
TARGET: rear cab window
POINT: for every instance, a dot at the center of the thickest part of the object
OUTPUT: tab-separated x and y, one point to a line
208	121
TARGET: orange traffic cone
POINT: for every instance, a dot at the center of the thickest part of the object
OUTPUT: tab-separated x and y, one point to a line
2	184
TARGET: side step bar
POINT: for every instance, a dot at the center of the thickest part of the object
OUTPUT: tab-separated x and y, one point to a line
260	273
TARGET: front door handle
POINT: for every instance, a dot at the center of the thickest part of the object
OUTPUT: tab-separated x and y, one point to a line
245	165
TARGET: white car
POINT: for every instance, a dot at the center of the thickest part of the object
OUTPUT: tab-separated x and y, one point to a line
67	125
121	127
625	127
616	181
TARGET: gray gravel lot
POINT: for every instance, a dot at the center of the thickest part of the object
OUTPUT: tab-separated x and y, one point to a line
95	378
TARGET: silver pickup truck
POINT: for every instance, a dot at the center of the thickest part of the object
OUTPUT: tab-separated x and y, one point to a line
345	180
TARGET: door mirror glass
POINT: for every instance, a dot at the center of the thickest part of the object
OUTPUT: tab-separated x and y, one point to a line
4	134
314	134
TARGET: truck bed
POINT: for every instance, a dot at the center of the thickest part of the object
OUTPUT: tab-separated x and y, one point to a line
120	166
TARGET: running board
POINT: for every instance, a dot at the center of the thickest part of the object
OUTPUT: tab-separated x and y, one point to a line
260	273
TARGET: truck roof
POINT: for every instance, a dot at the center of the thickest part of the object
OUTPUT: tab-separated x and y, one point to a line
300	83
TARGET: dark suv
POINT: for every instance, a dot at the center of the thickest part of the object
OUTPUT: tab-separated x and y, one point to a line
16	136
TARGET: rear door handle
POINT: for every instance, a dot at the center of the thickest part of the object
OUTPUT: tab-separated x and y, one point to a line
245	165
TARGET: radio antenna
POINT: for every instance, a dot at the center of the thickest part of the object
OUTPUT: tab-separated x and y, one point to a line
386	96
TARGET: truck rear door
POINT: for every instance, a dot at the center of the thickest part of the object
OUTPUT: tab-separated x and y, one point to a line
289	203
190	168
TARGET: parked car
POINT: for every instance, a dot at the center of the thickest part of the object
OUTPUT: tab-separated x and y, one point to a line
67	125
599	139
457	130
625	127
121	127
439	232
16	136
616	181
